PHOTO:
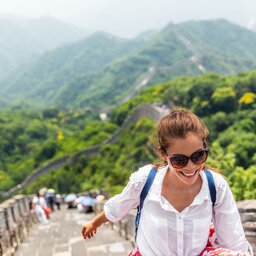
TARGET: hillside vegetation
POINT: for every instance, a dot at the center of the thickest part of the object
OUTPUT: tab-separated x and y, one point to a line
226	103
29	138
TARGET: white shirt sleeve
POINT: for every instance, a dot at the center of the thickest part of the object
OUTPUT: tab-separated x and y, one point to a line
118	206
35	200
227	222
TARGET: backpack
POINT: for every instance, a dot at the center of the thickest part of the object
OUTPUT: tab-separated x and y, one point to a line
148	184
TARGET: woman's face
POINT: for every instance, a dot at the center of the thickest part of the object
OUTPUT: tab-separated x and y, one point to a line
191	146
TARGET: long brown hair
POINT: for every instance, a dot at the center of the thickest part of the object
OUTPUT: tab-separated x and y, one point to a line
177	124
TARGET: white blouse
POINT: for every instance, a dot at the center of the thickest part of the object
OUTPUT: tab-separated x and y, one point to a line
163	231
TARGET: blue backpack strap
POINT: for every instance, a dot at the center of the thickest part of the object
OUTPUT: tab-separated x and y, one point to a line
211	185
143	195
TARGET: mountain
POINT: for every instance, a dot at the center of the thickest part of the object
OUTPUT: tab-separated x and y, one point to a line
48	75
189	48
23	38
147	35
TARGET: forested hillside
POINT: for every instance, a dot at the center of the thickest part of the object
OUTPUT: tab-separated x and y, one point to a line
83	79
226	103
49	75
29	138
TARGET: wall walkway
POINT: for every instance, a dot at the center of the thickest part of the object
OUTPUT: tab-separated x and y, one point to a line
62	237
21	235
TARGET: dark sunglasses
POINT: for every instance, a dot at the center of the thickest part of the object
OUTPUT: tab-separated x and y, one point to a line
180	161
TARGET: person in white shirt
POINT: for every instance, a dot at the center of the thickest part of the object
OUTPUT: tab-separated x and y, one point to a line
177	212
38	210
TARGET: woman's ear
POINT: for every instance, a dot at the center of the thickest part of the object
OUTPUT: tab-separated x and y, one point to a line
162	154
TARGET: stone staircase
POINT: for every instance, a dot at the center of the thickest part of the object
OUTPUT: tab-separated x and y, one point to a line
62	237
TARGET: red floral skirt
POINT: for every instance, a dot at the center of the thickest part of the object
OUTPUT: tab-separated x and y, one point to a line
212	248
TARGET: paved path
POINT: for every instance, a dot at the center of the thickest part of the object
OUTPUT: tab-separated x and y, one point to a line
62	237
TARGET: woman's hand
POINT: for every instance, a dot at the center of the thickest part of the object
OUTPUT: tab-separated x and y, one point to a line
89	230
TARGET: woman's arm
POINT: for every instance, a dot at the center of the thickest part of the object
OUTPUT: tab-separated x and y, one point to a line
90	228
118	206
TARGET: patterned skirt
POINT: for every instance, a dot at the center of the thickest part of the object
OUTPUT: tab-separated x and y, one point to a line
212	248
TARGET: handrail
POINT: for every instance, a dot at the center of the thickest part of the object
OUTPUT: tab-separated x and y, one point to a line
16	220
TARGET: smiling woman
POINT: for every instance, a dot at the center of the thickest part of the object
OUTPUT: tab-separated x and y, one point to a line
179	210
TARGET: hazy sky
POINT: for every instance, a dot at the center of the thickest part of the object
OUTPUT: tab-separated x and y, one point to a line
130	17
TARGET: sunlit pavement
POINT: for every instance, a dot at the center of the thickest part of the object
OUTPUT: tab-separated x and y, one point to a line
62	237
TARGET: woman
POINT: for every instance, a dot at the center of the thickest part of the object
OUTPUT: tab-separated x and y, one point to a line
38	210
178	211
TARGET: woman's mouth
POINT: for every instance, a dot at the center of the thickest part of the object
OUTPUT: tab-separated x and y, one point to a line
188	174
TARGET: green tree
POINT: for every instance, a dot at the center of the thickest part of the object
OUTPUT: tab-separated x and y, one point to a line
224	99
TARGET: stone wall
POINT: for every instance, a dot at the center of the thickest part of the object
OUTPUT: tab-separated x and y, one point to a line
247	209
15	222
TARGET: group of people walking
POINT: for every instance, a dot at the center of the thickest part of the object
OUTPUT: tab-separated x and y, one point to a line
44	203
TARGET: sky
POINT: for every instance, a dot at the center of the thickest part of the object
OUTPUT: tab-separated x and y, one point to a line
128	18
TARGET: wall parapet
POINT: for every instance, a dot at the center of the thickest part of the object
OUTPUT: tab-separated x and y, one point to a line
16	220
247	210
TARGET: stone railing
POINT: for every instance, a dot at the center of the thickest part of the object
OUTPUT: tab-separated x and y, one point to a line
15	222
247	210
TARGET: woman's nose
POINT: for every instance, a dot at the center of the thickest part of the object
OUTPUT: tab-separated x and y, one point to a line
190	164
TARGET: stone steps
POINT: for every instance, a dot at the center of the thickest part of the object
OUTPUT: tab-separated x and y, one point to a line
62	237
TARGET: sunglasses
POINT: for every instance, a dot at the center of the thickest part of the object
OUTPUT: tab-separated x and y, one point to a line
180	161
